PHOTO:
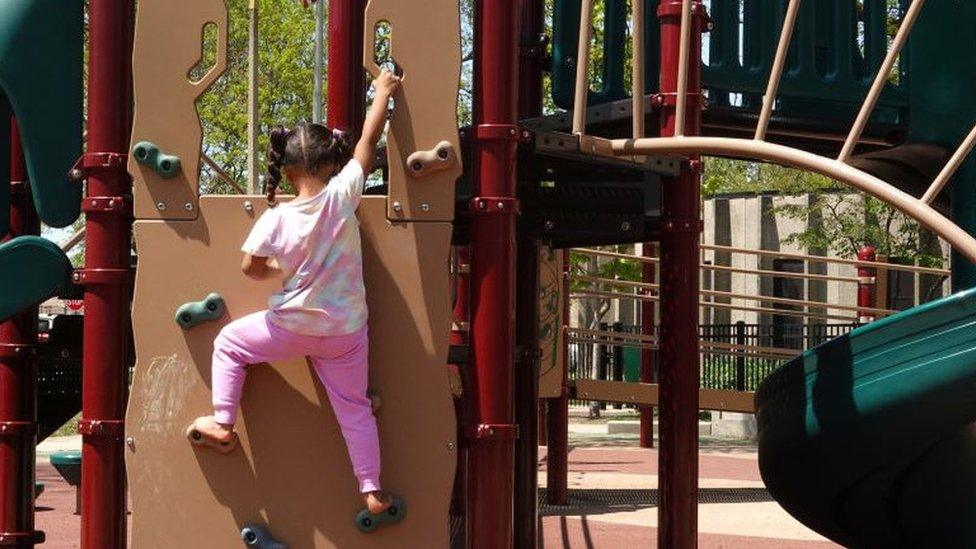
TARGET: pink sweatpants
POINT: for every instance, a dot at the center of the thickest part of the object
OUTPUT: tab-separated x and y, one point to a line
341	363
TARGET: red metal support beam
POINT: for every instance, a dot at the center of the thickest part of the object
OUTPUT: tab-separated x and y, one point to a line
18	379
527	405
648	370
107	290
681	219
491	458
866	285
557	457
347	80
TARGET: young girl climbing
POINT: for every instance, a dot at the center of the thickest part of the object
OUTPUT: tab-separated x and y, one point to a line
313	244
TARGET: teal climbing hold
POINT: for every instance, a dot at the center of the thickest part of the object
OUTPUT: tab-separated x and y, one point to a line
368	522
255	535
148	154
195	313
41	74
33	269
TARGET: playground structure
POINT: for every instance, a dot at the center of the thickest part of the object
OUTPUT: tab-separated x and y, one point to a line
897	390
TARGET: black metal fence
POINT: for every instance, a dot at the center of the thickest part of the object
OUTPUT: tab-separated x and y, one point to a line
734	356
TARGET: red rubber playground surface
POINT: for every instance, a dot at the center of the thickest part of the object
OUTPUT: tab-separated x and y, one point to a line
612	504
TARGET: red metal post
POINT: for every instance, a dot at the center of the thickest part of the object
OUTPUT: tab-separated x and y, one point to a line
491	458
527	407
106	277
557	457
347	92
648	373
18	380
866	284
681	220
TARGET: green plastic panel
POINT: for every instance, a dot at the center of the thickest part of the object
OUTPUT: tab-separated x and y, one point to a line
5	113
826	66
41	73
34	269
848	432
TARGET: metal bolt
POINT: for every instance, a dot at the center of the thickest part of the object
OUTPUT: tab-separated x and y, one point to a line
76	175
501	205
397	207
425	207
511	131
131	443
248	206
625	226
188	207
549	225
160	206
76	277
526	134
450	446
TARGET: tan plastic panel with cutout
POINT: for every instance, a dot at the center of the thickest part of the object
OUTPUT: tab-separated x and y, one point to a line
168	44
551	335
291	471
426	44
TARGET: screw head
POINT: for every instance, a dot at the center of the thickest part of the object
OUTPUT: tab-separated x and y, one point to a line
425	207
248	206
76	277
188	207
549	225
160	206
397	207
130	442
450	446
625	226
501	205
76	175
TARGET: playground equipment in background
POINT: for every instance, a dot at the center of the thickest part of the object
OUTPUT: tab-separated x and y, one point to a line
290	469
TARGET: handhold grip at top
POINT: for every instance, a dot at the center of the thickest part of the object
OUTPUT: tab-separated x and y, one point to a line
439	158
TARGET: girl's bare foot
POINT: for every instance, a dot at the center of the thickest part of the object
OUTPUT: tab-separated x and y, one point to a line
205	431
378	502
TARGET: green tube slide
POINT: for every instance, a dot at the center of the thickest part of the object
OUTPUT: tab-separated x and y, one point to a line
870	438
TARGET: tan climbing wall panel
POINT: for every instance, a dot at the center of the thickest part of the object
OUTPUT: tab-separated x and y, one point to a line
168	44
426	44
551	337
291	471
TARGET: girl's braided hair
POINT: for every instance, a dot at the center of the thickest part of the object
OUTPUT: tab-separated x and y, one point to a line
310	147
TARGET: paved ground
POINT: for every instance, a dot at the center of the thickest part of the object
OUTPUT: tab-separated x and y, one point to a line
613	498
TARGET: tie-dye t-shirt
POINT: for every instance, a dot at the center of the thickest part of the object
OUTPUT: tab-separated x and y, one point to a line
316	243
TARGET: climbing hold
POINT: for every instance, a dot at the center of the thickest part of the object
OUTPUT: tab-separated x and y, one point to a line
255	535
198	438
368	522
439	158
148	154
192	314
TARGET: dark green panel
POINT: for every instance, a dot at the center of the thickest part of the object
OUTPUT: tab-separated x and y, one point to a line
41	73
843	426
33	270
4	165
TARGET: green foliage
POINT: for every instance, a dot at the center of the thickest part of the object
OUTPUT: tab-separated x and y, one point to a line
287	57
603	267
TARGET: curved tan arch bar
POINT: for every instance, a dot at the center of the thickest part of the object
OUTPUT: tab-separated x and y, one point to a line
959	239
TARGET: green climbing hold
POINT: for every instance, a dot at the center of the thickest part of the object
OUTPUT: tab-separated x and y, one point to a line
34	269
255	535
148	154
195	313
368	522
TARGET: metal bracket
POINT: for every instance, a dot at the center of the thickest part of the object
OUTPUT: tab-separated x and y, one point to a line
671	100
17	428
108	204
21	539
673	226
100	277
494	431
92	162
494	205
101	427
533	46
19	188
497	132
15	350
